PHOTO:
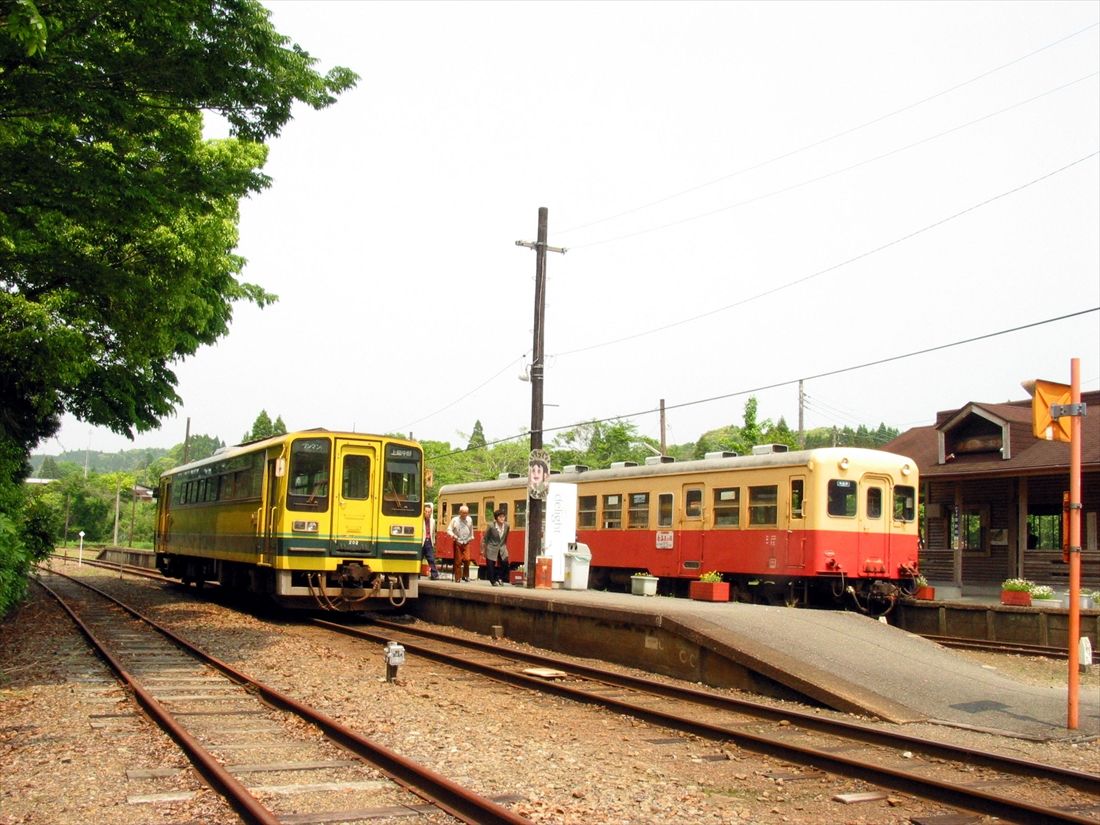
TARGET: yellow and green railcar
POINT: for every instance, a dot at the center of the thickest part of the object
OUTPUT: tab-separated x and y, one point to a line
313	519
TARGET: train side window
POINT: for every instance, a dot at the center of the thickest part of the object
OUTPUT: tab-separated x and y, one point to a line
612	512
764	505
586	511
905	503
473	512
842	498
798	492
874	502
637	517
520	507
443	507
664	510
727	507
693	503
356	474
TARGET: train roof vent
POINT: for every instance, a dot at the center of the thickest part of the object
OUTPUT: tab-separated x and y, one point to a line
575	468
504	476
765	449
659	459
617	464
721	454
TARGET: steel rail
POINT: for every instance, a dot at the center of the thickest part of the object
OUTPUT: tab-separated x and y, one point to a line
959	796
994	646
435	788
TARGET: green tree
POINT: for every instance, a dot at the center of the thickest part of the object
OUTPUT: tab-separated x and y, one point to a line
278	428
118	221
49	468
261	428
477	437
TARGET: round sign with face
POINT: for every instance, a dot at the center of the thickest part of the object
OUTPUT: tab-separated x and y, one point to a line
538	474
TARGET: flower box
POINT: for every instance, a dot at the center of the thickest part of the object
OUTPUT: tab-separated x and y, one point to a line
926	593
643	585
1018	598
518	577
709	591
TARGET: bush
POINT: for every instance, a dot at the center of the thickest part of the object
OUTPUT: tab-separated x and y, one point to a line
14	565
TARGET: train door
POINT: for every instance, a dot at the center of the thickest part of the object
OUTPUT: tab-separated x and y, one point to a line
354	516
690	535
269	514
796	533
874	519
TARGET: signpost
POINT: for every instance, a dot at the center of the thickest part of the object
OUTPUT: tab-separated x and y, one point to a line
1056	412
80	552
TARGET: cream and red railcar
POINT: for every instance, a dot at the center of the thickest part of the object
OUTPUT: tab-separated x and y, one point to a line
811	526
314	519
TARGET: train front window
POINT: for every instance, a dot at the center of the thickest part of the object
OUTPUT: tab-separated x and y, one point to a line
874	502
401	481
905	503
307	482
356	477
842	498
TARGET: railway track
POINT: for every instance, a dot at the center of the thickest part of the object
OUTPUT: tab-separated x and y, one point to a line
235	729
1014	790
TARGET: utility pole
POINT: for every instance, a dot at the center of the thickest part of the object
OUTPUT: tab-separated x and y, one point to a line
187	441
663	450
534	505
801	414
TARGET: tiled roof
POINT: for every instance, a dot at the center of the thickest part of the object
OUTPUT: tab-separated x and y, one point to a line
1028	454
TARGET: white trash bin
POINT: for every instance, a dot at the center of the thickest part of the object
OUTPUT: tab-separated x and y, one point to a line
577	559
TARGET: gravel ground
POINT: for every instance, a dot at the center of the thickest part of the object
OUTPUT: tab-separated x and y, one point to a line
63	761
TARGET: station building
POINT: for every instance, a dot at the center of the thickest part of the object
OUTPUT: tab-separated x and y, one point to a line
992	496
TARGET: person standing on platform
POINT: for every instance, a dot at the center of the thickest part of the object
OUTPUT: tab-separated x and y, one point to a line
429	548
493	545
461	531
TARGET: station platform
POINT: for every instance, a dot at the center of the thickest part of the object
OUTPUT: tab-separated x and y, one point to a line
841	660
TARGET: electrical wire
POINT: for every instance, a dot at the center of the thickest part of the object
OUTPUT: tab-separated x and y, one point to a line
835	172
834	267
788	382
832	137
507	366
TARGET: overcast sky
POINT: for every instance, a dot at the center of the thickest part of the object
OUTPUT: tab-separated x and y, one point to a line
750	194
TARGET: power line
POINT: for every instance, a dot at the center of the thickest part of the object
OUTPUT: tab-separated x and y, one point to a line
835	136
835	172
834	267
791	381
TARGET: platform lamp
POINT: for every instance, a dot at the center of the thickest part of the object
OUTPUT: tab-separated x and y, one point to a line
1056	412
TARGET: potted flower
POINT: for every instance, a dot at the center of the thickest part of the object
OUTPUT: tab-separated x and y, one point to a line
1042	592
643	584
1016	592
710	588
518	575
921	588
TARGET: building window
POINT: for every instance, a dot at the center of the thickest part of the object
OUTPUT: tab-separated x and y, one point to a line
727	507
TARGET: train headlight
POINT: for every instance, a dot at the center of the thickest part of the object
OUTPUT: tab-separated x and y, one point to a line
305	526
843	464
401	530
906	469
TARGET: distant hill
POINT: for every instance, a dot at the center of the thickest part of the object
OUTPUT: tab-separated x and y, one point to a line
122	461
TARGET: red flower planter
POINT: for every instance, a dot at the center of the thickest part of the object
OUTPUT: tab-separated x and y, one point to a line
1018	598
709	591
926	593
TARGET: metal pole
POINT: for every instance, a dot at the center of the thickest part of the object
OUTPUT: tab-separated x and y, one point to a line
664	447
534	505
1074	640
118	500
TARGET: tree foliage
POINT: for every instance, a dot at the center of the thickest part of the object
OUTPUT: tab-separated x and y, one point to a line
263	427
118	221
